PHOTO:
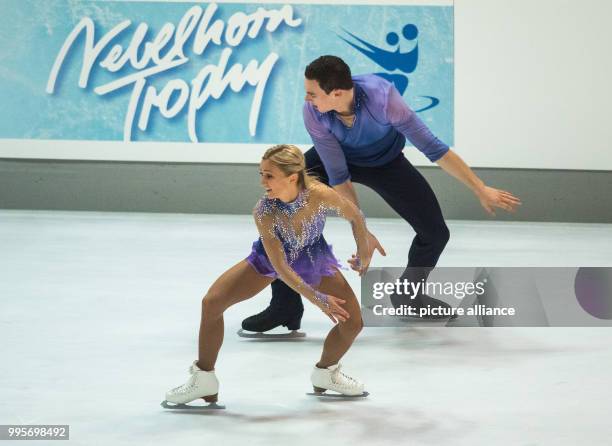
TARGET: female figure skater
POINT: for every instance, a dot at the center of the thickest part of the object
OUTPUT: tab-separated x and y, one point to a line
290	219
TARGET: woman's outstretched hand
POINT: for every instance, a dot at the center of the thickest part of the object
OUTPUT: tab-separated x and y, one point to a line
360	262
334	309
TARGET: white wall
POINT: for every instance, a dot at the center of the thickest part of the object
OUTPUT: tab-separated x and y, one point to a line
533	83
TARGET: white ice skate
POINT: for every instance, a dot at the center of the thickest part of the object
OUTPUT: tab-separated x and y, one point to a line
332	378
201	384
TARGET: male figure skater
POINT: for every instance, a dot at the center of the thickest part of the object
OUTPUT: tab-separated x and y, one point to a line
359	126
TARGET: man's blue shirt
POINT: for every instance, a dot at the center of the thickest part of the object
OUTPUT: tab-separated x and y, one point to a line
383	122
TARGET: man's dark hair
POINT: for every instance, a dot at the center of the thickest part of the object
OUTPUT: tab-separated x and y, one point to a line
330	72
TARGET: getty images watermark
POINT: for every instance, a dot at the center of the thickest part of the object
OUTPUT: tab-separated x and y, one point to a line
489	297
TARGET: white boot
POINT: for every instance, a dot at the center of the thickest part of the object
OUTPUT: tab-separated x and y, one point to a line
201	385
332	378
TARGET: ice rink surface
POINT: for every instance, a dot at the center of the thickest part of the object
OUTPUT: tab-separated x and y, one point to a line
99	315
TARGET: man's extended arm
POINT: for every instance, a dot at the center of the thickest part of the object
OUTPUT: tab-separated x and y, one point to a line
489	197
407	122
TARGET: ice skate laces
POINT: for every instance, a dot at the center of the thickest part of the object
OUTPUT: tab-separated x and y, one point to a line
342	379
185	388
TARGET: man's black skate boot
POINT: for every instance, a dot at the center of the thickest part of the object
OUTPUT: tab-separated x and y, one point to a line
270	318
285	309
424	301
421	300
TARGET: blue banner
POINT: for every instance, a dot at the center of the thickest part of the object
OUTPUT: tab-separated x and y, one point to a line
205	72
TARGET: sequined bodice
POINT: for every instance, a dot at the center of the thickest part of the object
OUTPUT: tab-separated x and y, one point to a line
298	224
291	245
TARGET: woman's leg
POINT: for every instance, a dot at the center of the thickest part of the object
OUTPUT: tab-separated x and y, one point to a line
238	283
341	337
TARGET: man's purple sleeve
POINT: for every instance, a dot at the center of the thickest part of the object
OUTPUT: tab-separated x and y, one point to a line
406	121
327	147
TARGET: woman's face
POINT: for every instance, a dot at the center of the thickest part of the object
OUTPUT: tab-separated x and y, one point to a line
274	181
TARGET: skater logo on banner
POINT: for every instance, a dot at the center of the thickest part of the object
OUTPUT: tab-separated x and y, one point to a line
397	64
143	58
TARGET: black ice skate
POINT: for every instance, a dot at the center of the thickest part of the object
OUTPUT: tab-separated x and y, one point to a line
423	307
442	309
272	317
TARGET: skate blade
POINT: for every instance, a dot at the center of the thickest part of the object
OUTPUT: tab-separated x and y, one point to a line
211	406
257	335
338	395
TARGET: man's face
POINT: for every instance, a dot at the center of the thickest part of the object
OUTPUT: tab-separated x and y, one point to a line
321	101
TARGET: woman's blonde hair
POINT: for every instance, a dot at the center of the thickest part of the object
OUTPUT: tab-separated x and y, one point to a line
290	159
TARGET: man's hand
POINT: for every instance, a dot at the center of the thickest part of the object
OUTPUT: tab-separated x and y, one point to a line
491	198
361	261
